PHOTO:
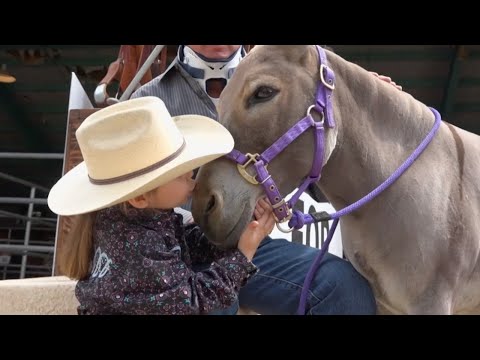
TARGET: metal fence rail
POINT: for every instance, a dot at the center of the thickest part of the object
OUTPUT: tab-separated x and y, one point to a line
9	248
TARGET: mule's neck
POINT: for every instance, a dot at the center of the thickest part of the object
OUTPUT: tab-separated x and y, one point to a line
379	126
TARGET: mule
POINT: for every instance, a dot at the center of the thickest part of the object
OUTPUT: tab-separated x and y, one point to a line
417	242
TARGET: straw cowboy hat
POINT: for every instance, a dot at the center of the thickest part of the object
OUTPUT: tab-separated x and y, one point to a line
131	148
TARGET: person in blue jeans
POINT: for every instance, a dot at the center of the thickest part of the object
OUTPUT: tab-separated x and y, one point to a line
192	84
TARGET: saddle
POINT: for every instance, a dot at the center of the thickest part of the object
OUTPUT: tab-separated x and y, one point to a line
122	71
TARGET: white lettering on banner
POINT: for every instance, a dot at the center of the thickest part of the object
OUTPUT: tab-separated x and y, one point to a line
313	234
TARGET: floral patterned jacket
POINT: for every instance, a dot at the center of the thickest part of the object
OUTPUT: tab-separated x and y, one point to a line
143	264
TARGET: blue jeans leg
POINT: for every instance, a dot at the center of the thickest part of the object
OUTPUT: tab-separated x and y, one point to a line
232	310
337	287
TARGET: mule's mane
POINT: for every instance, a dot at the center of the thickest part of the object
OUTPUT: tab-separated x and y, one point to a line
379	106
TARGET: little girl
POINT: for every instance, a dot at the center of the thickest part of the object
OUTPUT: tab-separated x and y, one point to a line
128	248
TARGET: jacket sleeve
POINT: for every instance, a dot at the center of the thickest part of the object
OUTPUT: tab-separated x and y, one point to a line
157	281
201	250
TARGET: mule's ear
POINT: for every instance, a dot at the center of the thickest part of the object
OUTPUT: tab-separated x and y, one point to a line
294	53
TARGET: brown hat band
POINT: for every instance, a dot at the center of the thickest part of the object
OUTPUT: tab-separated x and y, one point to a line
138	172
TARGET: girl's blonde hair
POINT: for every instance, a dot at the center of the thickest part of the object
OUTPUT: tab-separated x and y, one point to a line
76	254
77	250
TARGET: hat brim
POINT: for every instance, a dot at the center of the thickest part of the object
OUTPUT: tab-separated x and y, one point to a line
205	140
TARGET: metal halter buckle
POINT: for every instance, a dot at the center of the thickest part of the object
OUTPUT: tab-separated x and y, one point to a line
242	168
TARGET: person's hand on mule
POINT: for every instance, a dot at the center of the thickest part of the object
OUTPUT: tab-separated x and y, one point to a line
387	79
257	230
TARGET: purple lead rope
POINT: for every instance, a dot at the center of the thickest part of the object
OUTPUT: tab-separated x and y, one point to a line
308	219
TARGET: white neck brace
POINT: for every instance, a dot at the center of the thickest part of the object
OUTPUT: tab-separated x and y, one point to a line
202	69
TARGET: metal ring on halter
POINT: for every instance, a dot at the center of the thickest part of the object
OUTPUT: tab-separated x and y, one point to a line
329	84
321	114
242	168
283	230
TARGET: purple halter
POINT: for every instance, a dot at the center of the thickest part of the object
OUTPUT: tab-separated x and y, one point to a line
323	105
282	208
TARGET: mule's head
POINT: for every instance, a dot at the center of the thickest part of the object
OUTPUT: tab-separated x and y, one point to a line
271	90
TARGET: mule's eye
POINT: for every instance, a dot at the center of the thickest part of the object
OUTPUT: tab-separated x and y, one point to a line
262	93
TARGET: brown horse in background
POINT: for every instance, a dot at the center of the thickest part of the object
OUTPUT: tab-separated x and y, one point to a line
129	61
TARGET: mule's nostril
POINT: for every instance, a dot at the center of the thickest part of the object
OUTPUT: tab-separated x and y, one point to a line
215	202
211	204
